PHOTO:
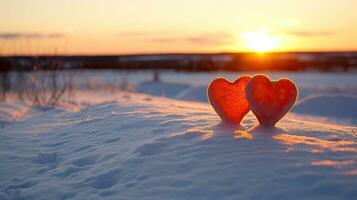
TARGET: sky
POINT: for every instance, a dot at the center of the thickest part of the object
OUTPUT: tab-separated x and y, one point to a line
36	27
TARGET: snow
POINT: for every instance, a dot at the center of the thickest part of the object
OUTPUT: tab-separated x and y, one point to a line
330	105
161	89
171	145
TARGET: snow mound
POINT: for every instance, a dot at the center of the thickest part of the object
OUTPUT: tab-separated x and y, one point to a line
328	105
158	88
134	146
10	112
196	93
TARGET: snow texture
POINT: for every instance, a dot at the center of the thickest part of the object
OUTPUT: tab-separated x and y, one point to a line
137	146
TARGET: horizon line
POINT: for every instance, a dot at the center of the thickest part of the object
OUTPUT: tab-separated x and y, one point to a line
175	53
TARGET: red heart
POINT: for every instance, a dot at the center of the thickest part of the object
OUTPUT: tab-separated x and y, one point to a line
270	100
228	99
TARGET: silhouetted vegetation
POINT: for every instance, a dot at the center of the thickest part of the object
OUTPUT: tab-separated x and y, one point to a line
42	87
190	62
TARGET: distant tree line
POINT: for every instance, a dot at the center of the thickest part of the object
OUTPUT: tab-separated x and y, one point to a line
189	62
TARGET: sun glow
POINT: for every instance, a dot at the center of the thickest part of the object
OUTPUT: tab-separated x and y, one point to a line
260	41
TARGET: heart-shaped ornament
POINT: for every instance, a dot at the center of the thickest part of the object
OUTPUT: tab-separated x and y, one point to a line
228	99
270	100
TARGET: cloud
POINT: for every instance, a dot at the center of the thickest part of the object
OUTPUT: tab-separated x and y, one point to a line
167	36
311	33
202	39
135	33
20	35
164	40
211	39
143	33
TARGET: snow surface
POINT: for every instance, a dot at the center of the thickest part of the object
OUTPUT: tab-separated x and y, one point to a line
127	145
329	105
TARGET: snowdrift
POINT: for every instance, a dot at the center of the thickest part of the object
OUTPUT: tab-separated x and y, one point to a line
136	146
331	105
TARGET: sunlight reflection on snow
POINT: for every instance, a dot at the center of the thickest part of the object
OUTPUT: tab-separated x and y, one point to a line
332	163
335	146
350	172
207	135
243	135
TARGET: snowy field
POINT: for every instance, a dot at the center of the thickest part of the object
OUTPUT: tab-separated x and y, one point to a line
162	140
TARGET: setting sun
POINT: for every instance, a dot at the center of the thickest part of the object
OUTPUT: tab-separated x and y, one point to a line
261	41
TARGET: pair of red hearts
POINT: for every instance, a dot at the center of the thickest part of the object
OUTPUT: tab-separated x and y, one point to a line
268	100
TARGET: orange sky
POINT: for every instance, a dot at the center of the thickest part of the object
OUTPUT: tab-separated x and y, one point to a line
153	26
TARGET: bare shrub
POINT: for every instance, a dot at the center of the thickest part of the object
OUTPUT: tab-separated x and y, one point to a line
46	84
4	85
44	87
